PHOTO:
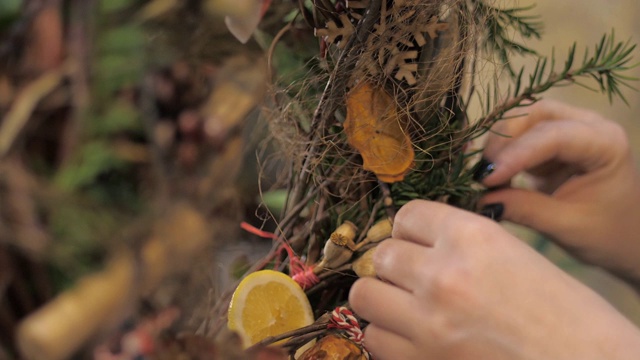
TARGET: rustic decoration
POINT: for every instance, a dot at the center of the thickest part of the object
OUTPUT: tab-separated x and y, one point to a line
337	33
377	129
398	34
129	156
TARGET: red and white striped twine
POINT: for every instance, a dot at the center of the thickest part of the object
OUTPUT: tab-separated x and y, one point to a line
343	319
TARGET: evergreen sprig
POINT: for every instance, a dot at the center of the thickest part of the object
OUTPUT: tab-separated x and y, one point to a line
499	26
606	65
444	175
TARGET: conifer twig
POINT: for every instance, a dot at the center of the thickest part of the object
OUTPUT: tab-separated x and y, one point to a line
498	24
605	65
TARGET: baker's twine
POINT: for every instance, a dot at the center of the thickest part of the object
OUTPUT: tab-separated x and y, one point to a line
342	318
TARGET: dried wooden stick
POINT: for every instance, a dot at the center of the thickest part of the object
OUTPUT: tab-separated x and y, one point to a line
99	301
62	326
318	326
24	104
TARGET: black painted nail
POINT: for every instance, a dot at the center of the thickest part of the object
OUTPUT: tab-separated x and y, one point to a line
493	211
483	169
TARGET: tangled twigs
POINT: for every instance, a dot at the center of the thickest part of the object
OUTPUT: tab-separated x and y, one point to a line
336	86
287	224
340	318
297	342
333	94
319	325
327	278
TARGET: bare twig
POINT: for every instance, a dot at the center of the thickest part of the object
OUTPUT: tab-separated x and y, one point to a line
272	46
315	327
335	89
79	48
24	104
328	278
372	219
387	200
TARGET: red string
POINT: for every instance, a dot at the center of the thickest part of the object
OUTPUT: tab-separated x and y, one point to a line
343	319
301	273
306	278
255	231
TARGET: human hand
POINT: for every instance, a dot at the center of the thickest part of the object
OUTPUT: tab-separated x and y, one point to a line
586	188
457	286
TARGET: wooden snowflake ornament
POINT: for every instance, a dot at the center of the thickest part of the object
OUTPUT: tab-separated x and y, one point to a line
337	34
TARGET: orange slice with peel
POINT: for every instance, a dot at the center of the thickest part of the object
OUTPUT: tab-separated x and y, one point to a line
268	303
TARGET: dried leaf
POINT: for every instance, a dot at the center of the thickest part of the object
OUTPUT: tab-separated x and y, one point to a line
243	25
239	88
376	128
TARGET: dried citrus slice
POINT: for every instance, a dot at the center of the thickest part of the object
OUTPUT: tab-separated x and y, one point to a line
268	303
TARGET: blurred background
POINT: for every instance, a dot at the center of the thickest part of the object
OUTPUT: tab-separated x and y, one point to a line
585	21
179	201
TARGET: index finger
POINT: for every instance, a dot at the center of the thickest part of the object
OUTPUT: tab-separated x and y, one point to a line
426	222
575	144
520	120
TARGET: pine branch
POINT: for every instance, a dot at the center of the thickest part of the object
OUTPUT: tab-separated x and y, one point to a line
605	65
499	25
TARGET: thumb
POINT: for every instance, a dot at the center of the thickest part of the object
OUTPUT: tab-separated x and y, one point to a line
534	210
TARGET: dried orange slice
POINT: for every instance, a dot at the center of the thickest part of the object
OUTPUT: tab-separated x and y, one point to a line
268	303
378	130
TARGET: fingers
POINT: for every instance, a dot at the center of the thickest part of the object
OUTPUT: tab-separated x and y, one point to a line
537	211
385	305
419	221
571	142
402	263
520	120
383	344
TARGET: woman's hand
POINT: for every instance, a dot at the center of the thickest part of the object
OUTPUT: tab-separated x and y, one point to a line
457	286
586	188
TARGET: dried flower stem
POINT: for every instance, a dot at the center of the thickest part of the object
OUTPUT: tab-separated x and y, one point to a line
372	218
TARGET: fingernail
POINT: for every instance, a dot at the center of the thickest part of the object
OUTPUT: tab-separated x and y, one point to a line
493	211
483	169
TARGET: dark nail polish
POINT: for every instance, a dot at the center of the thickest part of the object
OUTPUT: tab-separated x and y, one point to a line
483	169
493	211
